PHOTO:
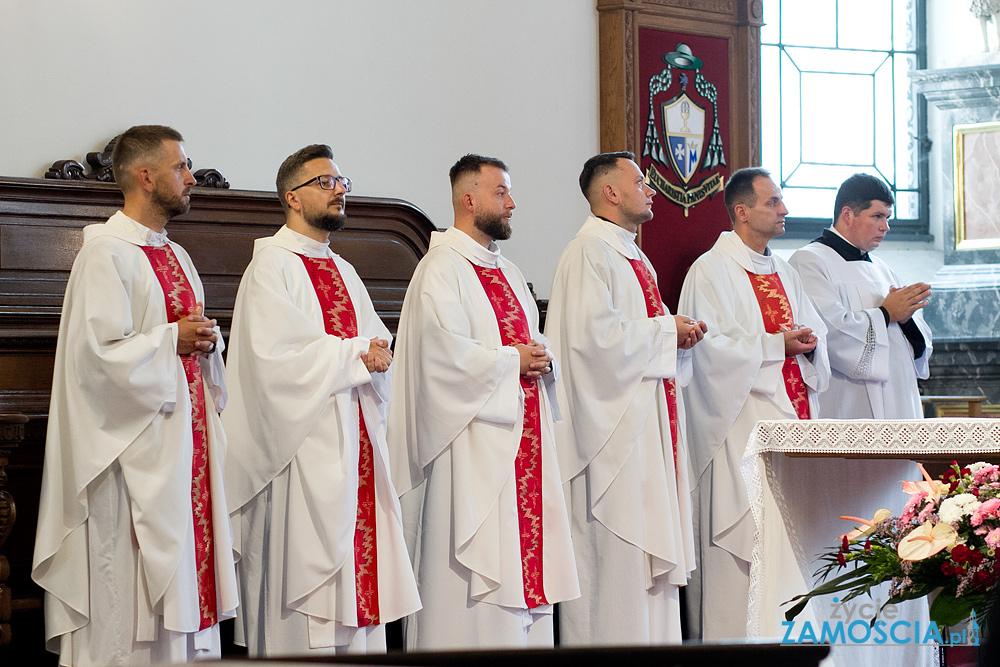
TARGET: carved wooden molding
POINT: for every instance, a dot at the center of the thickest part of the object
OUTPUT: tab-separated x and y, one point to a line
101	171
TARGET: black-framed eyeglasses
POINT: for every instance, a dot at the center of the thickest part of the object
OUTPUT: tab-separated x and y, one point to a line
327	182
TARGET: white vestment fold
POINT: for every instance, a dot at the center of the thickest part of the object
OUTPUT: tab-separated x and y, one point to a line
738	382
629	503
454	431
115	535
873	371
292	471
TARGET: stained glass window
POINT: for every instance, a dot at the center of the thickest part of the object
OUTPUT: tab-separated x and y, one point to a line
836	99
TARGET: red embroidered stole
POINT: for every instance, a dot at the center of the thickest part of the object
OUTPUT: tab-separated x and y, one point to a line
181	302
654	308
528	464
340	320
777	314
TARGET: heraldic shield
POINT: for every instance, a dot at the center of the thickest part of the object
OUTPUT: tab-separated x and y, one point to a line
692	140
684	127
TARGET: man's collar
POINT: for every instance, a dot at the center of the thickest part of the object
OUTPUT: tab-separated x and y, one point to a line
842	247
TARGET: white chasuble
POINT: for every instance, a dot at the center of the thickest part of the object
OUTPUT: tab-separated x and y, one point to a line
738	380
455	432
124	567
627	477
299	395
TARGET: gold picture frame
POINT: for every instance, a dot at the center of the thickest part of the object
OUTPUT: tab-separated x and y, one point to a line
977	218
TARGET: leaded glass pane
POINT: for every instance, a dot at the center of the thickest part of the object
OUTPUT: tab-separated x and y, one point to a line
769	32
832	60
885	141
809	22
836	99
865	24
907	204
790	120
770	102
823	175
809	202
906	117
828	134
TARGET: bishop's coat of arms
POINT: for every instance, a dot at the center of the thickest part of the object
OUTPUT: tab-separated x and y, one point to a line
685	150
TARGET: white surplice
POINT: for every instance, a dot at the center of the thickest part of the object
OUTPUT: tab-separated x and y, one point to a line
115	549
454	431
737	381
874	374
629	504
292	470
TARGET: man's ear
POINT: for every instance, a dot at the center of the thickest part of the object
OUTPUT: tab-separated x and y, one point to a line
144	179
293	202
846	215
468	203
609	193
740	212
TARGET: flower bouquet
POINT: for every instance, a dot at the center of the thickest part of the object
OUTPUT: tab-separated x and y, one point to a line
947	539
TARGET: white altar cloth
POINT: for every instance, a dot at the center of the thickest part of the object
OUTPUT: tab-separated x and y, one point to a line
801	476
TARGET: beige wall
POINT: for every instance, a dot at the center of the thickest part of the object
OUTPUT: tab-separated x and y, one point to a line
399	88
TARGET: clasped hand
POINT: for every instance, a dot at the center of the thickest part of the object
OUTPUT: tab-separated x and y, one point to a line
535	359
902	302
689	331
799	340
196	333
378	358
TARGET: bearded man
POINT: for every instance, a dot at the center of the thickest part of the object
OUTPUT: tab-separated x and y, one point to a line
471	435
133	546
323	565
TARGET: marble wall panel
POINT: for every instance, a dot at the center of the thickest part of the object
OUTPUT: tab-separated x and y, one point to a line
981	191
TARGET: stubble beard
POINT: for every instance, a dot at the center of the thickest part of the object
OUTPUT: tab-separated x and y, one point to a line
170	206
493	225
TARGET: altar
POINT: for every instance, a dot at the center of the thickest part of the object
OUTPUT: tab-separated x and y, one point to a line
801	476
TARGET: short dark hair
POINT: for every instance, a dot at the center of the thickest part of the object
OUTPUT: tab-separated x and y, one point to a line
598	166
137	143
289	170
858	192
739	188
473	164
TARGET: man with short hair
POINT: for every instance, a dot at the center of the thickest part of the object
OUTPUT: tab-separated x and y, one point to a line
620	446
323	564
133	547
878	341
471	435
764	357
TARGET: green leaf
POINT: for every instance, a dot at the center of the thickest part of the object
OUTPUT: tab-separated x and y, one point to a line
949	610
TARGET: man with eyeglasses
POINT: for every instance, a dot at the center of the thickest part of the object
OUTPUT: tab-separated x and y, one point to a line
323	564
471	435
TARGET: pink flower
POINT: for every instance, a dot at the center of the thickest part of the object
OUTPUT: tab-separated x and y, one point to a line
910	509
985	474
993	539
988	510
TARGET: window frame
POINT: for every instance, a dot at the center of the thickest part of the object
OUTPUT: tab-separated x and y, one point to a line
916	229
